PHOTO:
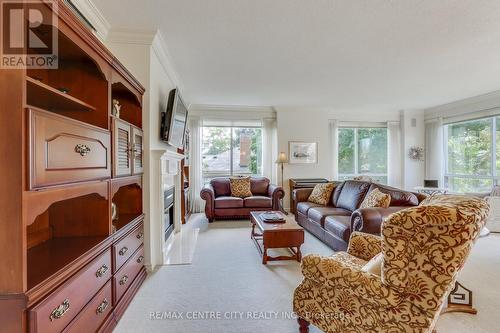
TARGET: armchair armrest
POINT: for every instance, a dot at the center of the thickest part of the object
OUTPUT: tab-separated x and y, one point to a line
369	220
331	272
364	246
301	194
207	193
276	193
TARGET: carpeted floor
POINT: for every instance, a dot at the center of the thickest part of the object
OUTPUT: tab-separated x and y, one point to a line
228	283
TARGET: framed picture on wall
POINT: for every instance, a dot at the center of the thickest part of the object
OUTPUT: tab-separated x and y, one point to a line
302	152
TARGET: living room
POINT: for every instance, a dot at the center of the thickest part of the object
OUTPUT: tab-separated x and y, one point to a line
250	166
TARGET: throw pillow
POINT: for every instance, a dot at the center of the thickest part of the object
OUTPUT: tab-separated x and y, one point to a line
376	199
374	266
321	193
240	187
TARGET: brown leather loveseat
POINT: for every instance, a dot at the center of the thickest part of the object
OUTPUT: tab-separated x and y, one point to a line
334	223
219	204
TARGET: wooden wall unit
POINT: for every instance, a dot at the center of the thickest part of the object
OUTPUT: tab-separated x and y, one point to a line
71	267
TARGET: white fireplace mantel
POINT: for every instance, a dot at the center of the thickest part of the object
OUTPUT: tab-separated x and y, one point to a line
165	171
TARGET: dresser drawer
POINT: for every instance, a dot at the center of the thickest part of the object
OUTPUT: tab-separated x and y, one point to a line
124	248
94	313
63	150
126	275
55	312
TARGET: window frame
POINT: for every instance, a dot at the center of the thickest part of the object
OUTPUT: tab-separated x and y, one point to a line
494	176
356	157
215	174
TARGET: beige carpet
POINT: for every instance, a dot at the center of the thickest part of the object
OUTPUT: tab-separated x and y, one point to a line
227	289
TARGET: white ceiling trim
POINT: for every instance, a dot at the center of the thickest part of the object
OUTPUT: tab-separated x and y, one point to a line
231	111
484	102
95	17
232	108
152	38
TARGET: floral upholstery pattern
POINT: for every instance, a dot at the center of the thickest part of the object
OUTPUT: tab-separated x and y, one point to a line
376	199
321	193
423	247
240	187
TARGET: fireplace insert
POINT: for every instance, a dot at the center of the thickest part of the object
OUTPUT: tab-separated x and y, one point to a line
168	214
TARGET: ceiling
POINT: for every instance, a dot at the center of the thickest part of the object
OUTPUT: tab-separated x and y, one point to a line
341	54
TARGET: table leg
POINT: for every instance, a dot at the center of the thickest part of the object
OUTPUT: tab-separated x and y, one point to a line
299	254
264	256
253	230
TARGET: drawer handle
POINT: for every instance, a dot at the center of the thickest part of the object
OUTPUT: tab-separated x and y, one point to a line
123	251
123	280
102	307
60	310
139	235
82	149
101	271
140	259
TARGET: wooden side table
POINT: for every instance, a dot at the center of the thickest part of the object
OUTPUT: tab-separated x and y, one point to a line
276	235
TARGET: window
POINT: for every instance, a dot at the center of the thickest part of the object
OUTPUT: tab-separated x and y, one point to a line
231	151
472	155
363	151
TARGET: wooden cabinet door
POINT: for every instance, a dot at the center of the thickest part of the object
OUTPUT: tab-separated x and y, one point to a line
137	150
122	146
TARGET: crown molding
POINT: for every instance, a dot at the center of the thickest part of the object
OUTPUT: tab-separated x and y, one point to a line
160	48
95	17
477	103
232	108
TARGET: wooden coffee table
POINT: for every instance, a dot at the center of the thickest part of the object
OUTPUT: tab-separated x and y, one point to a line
277	235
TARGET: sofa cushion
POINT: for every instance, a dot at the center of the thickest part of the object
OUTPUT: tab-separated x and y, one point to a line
398	197
228	202
318	214
259	185
257	201
240	187
304	206
339	226
376	198
374	266
353	192
321	193
221	186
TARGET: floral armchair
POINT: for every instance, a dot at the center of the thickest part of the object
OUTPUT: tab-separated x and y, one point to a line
423	249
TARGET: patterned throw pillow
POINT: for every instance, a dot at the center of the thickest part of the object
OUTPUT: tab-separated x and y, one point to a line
240	187
376	199
321	193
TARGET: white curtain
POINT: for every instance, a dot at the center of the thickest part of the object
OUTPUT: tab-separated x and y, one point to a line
394	166
195	166
269	149
334	149
434	152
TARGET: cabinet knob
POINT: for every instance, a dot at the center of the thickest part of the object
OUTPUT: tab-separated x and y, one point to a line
123	251
140	259
101	271
60	310
102	307
139	235
123	280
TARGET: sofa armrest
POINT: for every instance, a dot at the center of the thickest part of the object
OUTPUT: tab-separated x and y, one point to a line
301	194
276	193
207	193
364	246
369	220
330	272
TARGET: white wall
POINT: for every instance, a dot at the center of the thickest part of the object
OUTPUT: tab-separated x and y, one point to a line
313	125
413	135
140	56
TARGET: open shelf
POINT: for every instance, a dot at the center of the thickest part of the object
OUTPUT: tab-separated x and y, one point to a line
131	109
65	90
49	257
51	99
63	232
127	196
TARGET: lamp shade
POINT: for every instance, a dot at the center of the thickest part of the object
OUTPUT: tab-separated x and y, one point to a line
282	158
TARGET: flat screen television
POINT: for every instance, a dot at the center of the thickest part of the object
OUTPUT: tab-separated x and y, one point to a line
173	120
